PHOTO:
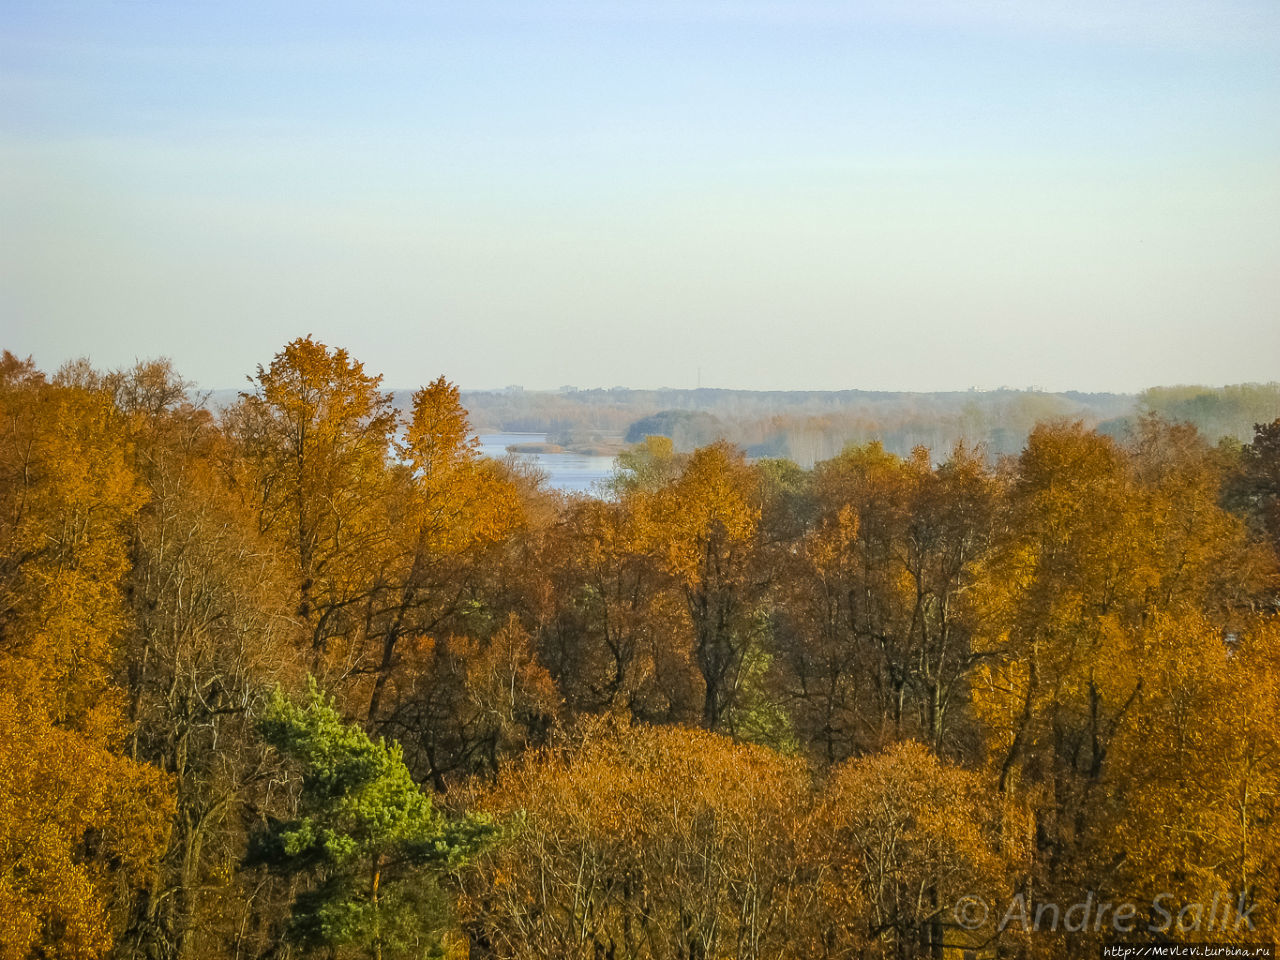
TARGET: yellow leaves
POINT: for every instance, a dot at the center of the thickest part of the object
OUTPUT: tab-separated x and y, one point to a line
1200	767
940	818
829	546
709	509
463	510
649	838
646	837
437	438
646	467
316	436
456	502
76	817
323	394
622	631
1111	707
69	495
1077	625
900	837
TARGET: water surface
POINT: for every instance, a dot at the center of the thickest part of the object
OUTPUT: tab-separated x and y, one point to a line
571	472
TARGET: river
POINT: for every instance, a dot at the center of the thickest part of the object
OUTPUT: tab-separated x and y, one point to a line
571	472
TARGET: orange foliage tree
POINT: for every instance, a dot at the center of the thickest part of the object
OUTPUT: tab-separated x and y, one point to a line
615	633
313	444
898	840
705	534
873	620
78	818
450	513
1117	570
644	842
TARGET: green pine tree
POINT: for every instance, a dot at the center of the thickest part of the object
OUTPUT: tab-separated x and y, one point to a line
367	846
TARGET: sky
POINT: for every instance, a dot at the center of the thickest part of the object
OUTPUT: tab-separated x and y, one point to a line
888	194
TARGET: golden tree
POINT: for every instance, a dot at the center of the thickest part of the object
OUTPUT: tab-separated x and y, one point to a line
78	818
873	621
705	534
314	442
899	839
450	512
1114	566
644	842
616	634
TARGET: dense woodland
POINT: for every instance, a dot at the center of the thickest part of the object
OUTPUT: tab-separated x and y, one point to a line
308	677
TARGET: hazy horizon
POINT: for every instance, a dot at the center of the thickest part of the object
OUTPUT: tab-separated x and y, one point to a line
405	388
915	196
246	379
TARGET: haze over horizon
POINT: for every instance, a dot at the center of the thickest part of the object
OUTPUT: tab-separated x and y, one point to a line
922	195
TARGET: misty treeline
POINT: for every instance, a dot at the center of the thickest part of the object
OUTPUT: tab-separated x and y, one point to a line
308	677
809	426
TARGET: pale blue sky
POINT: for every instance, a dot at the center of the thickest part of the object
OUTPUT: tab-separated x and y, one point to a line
897	194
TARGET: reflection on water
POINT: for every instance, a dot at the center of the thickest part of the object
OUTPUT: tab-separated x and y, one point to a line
571	472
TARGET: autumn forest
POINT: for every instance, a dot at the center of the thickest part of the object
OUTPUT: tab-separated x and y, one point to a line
305	676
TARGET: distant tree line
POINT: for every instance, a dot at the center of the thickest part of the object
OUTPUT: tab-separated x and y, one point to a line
811	426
